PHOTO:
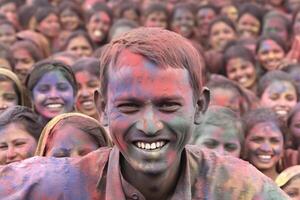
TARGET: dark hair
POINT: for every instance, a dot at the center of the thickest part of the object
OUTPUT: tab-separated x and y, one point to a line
43	12
261	115
237	51
121	23
99	7
162	47
92	65
43	67
6	54
30	47
208	6
128	6
155	7
182	6
69	5
26	12
223	19
76	34
273	37
272	76
22	115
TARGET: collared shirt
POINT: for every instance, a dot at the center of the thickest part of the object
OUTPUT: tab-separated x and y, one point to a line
97	176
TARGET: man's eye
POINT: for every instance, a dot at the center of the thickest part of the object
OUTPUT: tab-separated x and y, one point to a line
169	106
128	108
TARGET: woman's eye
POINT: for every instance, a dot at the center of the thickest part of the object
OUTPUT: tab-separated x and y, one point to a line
60	154
62	86
43	88
10	97
211	144
3	147
231	147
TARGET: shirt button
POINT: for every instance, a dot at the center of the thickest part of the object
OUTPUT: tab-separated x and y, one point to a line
135	196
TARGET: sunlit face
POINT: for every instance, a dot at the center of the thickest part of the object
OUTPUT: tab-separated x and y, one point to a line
295	127
220	35
8	95
183	22
270	54
264	145
80	47
241	71
150	112
98	26
275	25
70	141
15	144
203	18
53	95
226	98
220	140
7	35
69	20
293	189
87	84
50	26
156	19
248	26
281	97
9	10
23	63
231	12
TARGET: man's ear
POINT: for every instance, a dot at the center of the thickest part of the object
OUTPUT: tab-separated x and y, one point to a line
100	105
202	105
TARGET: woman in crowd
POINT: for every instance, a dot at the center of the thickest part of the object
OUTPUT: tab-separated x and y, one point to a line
53	88
289	182
155	15
20	130
72	135
264	141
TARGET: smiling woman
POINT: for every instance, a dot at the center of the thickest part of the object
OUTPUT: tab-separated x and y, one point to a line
53	89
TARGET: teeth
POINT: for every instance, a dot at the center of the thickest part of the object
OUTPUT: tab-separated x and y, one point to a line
54	105
97	33
265	157
150	146
281	112
87	103
243	80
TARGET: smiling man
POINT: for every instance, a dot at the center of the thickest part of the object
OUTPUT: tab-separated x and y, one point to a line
152	97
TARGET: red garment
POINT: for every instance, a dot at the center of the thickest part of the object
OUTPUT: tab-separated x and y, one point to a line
97	176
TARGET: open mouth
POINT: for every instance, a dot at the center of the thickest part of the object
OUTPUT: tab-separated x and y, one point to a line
265	158
88	104
55	106
98	33
150	146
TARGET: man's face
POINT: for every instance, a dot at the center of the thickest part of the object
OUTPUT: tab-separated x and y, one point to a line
150	111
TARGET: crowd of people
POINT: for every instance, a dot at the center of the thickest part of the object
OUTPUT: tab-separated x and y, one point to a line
63	72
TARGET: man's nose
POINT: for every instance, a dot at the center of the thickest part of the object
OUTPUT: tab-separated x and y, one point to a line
149	123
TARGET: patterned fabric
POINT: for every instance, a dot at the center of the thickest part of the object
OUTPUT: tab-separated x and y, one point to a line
97	176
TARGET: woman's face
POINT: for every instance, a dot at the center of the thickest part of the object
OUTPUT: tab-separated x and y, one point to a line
281	97
7	35
16	144
8	95
183	23
156	19
275	25
98	26
241	71
70	141
264	145
230	11
52	95
69	20
203	18
50	26
87	84
220	140
220	35
80	47
293	189
248	26
23	63
270	54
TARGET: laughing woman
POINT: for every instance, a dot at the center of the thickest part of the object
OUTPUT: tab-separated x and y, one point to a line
264	141
53	89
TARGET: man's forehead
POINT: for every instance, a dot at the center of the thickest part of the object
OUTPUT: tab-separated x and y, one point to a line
128	58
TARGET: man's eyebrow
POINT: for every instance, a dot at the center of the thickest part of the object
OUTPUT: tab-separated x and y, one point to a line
158	99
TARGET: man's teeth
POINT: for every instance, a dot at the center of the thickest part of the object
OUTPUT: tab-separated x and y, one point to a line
150	146
54	105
